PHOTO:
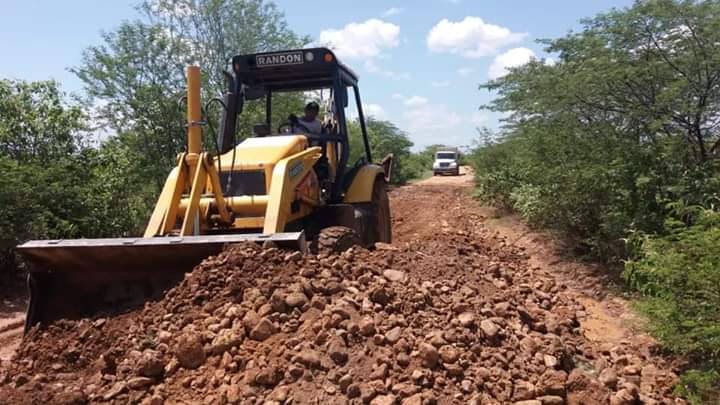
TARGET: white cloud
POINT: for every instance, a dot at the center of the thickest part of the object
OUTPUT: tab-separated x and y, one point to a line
392	11
370	110
477	118
362	40
510	59
465	71
443	83
471	37
373	67
374	110
427	122
415	101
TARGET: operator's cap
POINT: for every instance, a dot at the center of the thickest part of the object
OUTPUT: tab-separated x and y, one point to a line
312	106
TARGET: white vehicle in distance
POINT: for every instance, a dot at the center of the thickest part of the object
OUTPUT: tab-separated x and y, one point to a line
447	161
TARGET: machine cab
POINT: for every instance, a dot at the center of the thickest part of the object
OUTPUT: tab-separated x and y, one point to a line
265	77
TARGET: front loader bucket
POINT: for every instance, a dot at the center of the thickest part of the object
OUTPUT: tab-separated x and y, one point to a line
72	279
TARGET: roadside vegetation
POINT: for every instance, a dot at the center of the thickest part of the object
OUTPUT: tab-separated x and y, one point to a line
615	146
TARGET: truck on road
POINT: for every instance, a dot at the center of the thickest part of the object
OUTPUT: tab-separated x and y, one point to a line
447	161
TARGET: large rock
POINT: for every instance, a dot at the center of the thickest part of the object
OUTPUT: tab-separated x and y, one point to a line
251	319
263	330
296	299
394	275
139	383
523	390
449	354
269	376
551	400
624	397
151	364
338	351
467	319
489	328
189	351
429	355
383	400
608	377
582	389
379	373
225	340
367	326
393	335
114	391
416	399
552	382
309	358
379	295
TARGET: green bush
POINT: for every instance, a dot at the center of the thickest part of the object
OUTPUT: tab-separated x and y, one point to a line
527	200
699	386
678	275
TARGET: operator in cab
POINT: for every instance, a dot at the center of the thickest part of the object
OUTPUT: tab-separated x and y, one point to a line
308	123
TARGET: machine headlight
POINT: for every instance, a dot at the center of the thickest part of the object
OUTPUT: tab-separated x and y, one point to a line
453	164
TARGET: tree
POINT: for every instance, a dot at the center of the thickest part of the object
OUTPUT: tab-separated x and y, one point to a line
384	138
42	157
216	30
35	124
137	77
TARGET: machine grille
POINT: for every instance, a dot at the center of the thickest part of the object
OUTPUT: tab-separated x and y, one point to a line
244	183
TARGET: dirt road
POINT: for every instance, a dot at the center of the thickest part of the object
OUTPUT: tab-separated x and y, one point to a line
463	307
12	317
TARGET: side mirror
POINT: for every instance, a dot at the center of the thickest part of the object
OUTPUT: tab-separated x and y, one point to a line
387	164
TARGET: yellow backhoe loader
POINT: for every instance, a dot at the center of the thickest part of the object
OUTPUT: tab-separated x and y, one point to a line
287	187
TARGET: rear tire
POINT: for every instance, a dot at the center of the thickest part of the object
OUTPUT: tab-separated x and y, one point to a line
381	228
336	239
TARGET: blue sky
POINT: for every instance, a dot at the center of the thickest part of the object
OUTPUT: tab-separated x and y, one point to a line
420	62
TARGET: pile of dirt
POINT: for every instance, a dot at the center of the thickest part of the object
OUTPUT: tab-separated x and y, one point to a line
458	319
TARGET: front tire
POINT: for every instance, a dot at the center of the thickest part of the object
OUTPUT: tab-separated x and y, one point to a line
336	239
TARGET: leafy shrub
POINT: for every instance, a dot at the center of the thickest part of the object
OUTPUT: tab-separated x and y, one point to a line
527	200
679	277
699	386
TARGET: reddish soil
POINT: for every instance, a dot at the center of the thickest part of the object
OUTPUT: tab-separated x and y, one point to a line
13	302
452	312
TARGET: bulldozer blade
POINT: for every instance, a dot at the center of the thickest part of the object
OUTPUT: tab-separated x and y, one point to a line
72	279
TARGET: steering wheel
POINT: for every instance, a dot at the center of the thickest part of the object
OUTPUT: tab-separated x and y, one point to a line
292	122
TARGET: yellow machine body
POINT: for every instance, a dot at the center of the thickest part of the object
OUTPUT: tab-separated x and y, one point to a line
261	190
283	166
361	189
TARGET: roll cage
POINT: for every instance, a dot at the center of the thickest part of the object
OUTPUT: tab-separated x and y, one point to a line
260	75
